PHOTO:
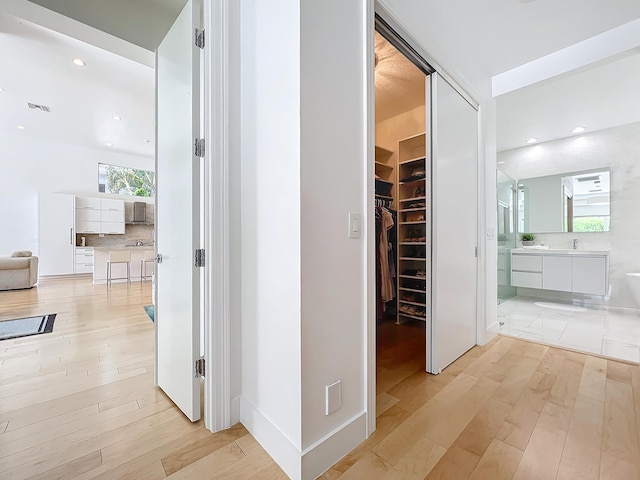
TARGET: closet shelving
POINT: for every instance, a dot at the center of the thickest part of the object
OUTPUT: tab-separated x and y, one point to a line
413	232
385	177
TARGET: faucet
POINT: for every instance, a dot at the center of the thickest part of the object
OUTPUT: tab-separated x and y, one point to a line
139	243
575	243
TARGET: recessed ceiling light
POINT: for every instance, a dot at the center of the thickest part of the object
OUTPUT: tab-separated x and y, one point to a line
532	140
79	62
147	141
578	130
500	163
1	89
109	144
117	117
20	127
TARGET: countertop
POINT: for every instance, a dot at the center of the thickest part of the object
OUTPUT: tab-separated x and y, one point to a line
124	247
558	251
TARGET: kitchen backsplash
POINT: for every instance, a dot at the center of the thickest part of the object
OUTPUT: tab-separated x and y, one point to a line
132	234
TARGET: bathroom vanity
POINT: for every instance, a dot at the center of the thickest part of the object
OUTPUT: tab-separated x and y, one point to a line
575	271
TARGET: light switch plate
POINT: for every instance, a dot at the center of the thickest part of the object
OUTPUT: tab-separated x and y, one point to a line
355	225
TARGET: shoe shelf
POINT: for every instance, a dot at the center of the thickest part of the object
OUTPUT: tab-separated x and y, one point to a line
413	230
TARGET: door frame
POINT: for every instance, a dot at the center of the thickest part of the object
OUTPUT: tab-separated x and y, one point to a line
215	220
377	8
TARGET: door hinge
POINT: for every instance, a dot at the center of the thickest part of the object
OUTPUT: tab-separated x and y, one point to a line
199	257
476	252
200	367
199	38
198	147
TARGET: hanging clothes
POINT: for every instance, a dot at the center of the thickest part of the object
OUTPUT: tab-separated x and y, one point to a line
387	287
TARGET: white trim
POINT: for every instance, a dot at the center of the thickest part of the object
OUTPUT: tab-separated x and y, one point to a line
281	448
369	263
481	269
318	458
217	405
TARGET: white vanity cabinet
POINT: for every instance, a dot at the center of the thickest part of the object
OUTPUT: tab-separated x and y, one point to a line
575	271
587	276
556	272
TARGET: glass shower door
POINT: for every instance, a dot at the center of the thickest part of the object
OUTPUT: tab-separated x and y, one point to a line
506	191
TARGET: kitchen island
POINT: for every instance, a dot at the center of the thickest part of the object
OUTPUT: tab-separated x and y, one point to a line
119	271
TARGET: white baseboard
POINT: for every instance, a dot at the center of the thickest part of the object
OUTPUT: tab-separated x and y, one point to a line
281	449
316	459
491	332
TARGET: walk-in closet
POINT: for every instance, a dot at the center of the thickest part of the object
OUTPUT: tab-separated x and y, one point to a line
402	213
426	214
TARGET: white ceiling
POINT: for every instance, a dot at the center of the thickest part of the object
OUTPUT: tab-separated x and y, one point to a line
400	85
473	40
38	69
604	96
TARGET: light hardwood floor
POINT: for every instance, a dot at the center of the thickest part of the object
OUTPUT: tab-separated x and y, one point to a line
80	403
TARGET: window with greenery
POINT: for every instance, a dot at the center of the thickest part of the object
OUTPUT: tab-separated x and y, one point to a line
126	181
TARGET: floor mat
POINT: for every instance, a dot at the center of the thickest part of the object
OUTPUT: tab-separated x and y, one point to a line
23	327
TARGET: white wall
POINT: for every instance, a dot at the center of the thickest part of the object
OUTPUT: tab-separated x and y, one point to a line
617	149
332	182
30	167
270	228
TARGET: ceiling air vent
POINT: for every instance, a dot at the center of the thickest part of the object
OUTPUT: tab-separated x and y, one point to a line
42	108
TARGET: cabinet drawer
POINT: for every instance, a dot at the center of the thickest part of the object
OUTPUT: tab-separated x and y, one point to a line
529	263
87	215
84	251
84	268
526	279
87	227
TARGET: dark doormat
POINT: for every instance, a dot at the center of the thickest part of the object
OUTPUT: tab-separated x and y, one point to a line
23	327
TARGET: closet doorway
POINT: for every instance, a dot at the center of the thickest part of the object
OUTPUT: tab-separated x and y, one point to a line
402	217
426	211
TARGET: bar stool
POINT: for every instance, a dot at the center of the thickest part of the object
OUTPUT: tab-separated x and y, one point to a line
149	257
119	256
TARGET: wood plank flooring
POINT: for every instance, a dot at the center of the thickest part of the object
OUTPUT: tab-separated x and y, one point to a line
80	403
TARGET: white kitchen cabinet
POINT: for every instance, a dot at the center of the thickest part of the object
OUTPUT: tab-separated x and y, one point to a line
88	227
84	260
89	203
56	234
109	204
99	215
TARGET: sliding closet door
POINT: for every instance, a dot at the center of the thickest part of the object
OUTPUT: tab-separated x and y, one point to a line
454	226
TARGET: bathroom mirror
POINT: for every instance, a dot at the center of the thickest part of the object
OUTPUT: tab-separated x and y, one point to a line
568	202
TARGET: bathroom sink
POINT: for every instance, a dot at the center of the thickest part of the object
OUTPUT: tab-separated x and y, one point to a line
563	251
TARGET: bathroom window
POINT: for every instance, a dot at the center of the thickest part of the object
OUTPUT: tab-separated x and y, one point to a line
126	180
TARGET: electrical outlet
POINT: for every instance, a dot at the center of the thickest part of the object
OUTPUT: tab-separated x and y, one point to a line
333	397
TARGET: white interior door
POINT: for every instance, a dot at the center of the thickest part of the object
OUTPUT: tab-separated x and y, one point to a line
177	309
455	226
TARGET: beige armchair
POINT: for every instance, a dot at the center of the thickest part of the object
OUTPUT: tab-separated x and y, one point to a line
20	270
